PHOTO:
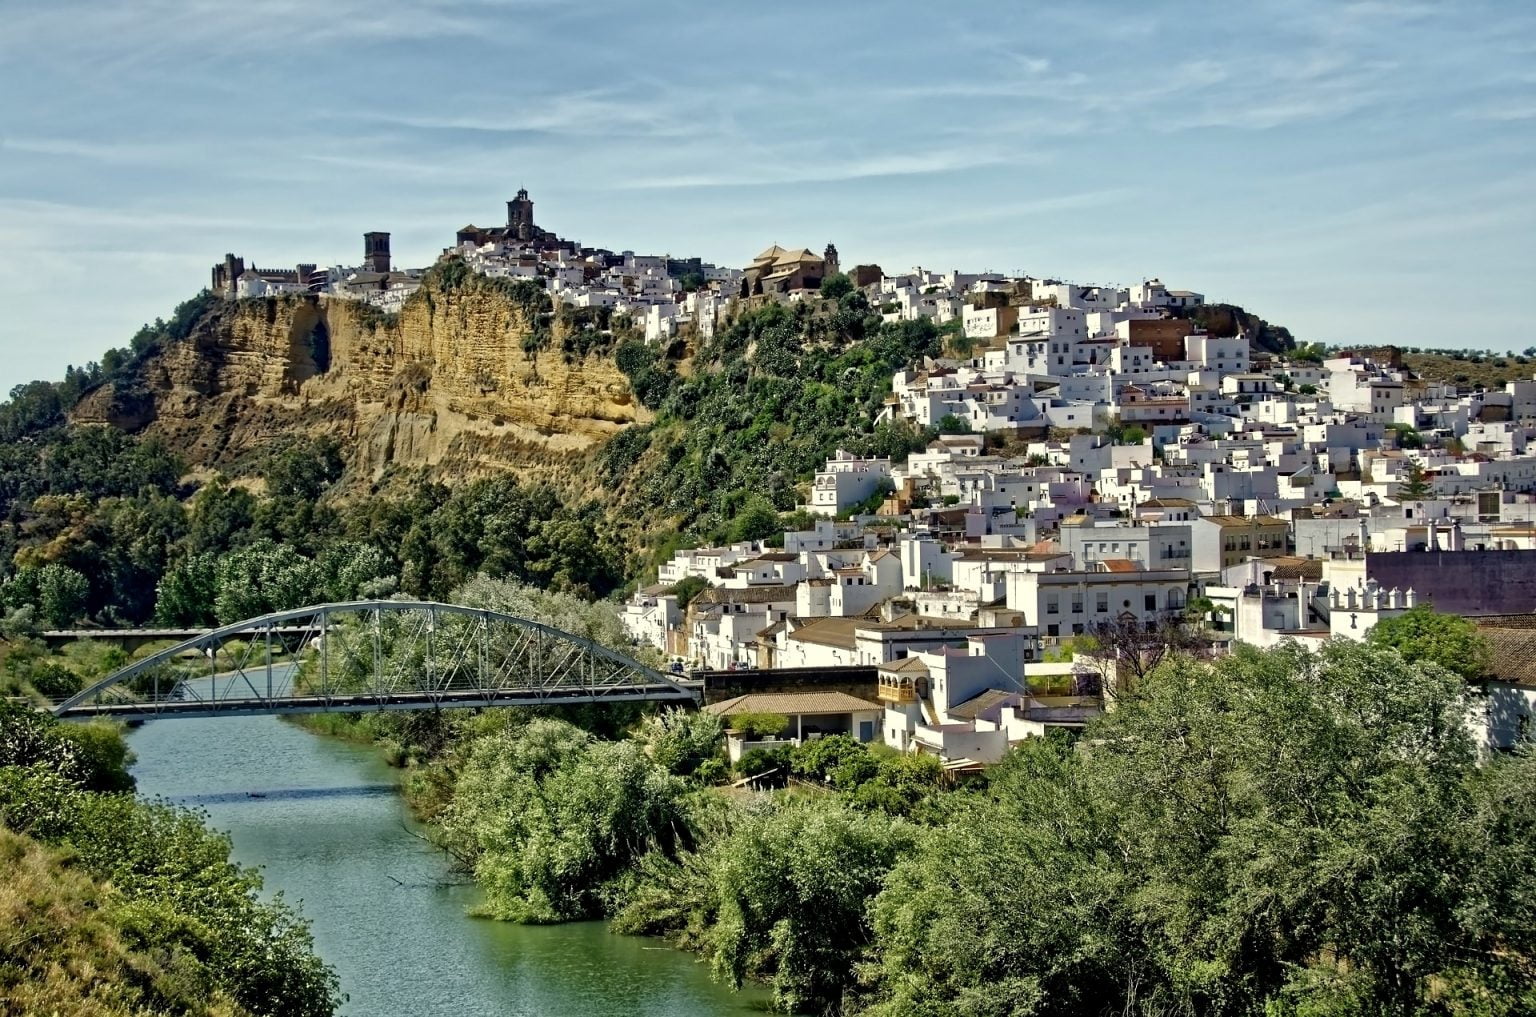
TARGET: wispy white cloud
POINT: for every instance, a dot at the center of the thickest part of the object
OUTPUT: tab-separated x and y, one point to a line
1506	111
1012	214
789	169
121	153
587	112
169	131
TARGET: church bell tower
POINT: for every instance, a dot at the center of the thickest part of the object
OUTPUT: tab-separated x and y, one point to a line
520	215
376	252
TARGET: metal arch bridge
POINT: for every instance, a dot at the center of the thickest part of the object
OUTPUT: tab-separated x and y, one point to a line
373	655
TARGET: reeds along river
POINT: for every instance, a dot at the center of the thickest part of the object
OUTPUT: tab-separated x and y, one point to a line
322	820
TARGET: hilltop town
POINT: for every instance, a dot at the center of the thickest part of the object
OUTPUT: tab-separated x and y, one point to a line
1106	463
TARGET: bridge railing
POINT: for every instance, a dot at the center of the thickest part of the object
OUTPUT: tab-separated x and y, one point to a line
373	655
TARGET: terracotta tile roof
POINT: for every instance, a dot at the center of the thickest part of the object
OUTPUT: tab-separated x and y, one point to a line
750	595
1506	621
911	666
790	703
1119	565
828	632
1310	569
1228	520
1008	554
1513	653
990	700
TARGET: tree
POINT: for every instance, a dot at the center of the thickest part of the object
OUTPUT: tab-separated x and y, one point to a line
783	896
836	759
951	424
680	741
62	594
1274	832
549	818
901	785
304	468
758	725
686	589
172	888
836	285
1416	487
1127	651
188	590
260	578
757	520
221	516
53	680
351	570
1408	436
1423	635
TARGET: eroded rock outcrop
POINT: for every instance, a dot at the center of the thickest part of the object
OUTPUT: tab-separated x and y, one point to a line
448	384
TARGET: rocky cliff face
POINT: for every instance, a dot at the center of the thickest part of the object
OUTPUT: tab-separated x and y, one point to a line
446	384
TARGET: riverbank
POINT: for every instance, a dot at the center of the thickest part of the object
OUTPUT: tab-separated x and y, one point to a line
558	824
1269	792
135	905
322	818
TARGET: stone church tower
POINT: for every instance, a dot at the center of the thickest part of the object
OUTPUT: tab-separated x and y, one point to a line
830	257
520	215
376	252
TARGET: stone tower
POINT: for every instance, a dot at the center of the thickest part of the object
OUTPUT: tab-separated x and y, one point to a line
376	252
520	215
830	257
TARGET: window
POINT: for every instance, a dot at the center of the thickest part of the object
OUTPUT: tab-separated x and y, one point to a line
1052	605
1150	601
1077	604
1101	603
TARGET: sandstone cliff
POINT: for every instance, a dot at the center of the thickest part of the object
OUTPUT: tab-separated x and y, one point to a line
447	385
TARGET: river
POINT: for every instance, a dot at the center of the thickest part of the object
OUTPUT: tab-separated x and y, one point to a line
331	835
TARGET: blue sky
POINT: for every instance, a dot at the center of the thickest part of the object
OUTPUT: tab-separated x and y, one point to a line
1359	171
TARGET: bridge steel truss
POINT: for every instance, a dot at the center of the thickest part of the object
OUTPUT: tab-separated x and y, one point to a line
373	655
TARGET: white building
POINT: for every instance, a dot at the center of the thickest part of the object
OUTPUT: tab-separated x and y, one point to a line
847	481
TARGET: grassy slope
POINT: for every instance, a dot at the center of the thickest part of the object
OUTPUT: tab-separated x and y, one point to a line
1491	373
71	945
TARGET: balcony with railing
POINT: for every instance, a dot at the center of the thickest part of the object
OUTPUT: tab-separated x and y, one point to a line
897	688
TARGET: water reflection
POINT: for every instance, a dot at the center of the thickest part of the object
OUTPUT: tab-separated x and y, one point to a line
321	819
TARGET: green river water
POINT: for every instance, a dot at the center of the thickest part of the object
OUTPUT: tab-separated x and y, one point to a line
330	834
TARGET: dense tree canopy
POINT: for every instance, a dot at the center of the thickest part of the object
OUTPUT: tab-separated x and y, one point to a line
1422	634
770	397
86	541
1273	833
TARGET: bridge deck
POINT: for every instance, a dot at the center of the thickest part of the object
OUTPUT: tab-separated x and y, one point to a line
369	703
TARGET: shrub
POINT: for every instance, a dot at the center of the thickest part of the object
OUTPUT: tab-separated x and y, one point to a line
758	725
